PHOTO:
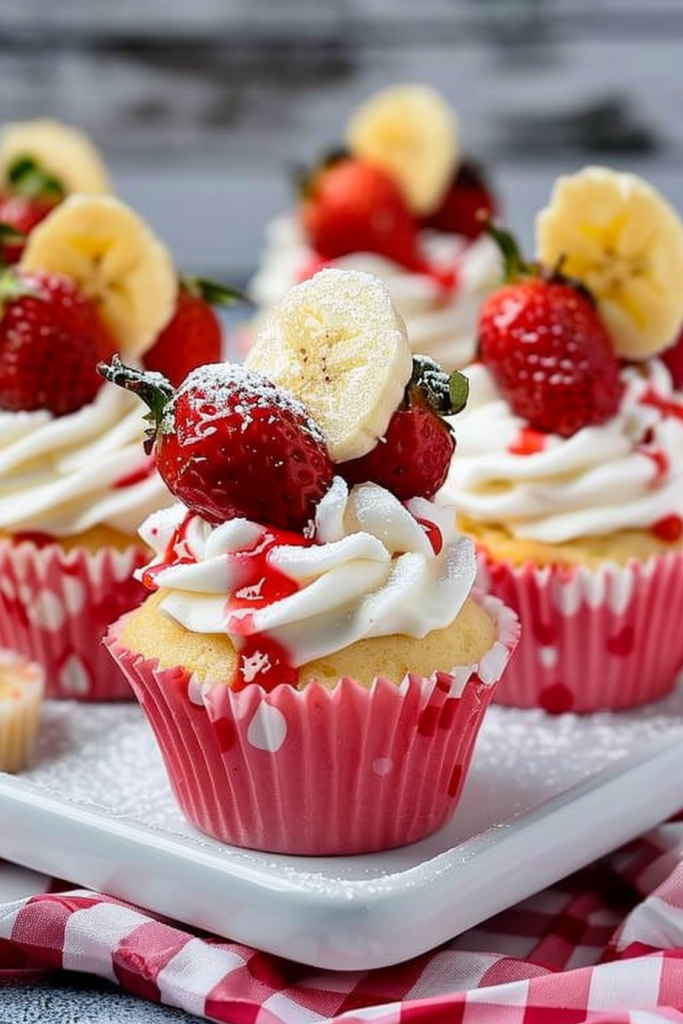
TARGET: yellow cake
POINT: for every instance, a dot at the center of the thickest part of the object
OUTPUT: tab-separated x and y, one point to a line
618	547
213	657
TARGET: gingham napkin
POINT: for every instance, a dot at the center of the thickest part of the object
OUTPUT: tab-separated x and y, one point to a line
604	946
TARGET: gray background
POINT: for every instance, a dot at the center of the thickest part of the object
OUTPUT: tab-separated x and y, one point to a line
201	107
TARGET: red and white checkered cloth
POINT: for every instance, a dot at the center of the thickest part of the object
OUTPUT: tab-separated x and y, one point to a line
604	946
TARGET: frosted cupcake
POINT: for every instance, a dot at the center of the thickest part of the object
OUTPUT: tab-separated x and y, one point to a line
309	643
569	471
398	203
74	482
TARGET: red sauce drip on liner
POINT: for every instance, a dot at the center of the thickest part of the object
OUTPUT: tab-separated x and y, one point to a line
527	442
137	475
262	661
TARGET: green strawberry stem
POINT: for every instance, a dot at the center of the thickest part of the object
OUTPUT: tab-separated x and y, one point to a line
9	236
153	388
514	265
304	177
446	394
214	292
28	179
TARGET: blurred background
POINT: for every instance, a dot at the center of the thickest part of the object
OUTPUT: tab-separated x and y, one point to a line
202	108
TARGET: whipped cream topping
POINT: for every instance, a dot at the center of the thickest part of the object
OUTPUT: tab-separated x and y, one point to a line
63	475
626	473
441	323
370	567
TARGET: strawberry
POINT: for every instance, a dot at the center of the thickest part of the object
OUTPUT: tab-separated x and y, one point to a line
51	338
352	206
194	335
548	350
32	194
413	457
20	214
468	197
673	358
228	444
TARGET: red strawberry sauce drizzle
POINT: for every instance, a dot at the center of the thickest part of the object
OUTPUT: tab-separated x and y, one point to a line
527	442
660	460
667	406
447	279
177	553
670	528
263	584
262	661
137	475
433	533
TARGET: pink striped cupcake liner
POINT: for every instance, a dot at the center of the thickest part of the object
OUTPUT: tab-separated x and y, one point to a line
591	640
319	771
56	606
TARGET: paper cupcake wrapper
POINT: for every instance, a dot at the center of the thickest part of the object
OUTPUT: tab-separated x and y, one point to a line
20	704
604	639
319	771
56	606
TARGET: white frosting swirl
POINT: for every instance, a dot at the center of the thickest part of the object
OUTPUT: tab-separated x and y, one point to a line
441	325
370	571
62	475
625	473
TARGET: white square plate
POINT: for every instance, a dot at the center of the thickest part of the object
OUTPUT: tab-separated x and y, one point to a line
544	797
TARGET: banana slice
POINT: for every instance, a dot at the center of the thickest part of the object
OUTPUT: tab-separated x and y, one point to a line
620	237
117	261
59	150
412	132
337	343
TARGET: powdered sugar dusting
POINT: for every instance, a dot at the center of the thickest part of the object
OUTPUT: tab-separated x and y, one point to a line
218	383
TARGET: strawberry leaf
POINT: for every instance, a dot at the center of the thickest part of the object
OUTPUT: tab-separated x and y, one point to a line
153	388
28	179
10	235
445	394
214	292
459	390
514	264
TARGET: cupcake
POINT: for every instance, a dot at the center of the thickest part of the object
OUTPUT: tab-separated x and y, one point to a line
21	695
569	469
312	659
41	163
74	482
397	202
